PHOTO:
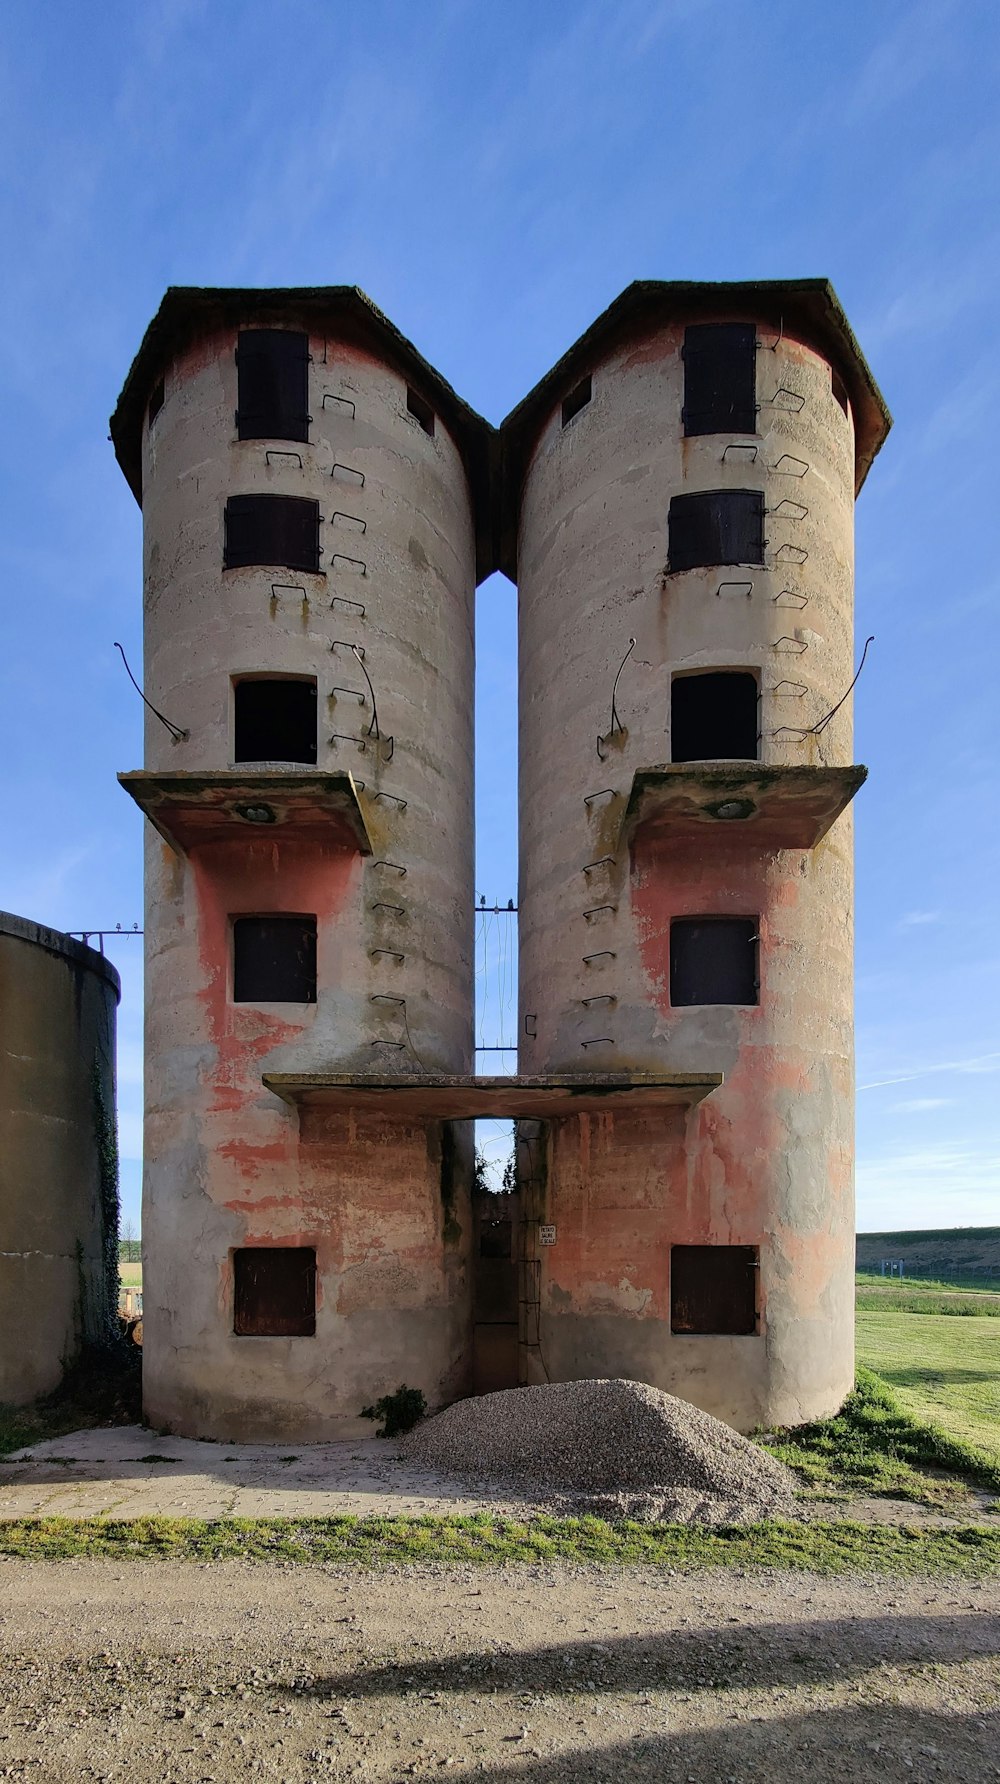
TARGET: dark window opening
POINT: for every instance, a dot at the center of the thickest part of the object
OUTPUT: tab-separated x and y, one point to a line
713	960
274	960
720	378
713	1288
716	526
713	718
278	530
495	1239
840	392
156	401
274	1292
421	411
578	399
275	721
273	381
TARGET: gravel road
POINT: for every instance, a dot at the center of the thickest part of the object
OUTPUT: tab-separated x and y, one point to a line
174	1671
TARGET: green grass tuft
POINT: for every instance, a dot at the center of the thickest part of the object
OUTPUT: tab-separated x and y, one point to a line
828	1548
873	1445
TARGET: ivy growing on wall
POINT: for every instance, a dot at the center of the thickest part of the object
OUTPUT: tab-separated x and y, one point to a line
106	1142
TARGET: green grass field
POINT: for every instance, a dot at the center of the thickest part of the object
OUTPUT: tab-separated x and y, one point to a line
945	1371
880	1294
131	1275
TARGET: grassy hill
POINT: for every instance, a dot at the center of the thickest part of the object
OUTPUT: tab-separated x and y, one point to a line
948	1254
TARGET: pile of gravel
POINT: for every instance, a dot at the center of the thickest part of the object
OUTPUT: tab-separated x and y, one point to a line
614	1448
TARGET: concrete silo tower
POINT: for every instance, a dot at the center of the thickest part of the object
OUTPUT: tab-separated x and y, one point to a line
314	507
679	499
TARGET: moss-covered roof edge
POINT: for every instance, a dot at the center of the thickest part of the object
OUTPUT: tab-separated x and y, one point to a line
808	309
188	310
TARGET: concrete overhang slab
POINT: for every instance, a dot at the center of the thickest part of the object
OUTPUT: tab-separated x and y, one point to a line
188	808
443	1097
764	807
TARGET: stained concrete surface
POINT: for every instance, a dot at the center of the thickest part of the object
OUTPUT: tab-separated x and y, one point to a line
131	1472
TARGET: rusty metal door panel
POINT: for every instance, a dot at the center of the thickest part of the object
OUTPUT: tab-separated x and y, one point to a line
713	1288
274	1292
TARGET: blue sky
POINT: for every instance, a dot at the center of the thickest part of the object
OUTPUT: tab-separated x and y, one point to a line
493	175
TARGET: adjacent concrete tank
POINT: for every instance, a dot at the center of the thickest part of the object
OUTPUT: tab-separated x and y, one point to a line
58	1157
619	843
372	841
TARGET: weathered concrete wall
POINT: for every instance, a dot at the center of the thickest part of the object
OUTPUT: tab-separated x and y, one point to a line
226	1163
58	1186
768	1159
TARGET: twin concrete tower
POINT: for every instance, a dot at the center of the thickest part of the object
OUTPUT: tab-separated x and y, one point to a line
675	502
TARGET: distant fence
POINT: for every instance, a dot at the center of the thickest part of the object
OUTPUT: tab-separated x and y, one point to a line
899	1270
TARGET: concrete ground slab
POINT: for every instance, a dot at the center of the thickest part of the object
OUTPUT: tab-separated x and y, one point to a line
129	1472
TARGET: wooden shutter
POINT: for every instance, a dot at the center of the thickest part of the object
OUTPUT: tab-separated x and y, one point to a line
716	526
713	1288
278	530
274	960
274	1291
713	960
720	378
273	380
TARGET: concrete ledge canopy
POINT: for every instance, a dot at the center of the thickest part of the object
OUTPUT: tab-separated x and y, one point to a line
189	807
443	1097
68	947
774	807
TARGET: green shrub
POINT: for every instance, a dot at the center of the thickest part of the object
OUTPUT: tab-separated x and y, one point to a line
399	1412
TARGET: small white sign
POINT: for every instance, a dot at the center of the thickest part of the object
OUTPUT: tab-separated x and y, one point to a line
547	1235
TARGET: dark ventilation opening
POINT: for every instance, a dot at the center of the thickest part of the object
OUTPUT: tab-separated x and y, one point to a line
275	720
273	384
578	399
421	411
713	960
495	1238
716	526
274	1292
156	401
713	718
720	378
274	960
840	392
279	530
713	1288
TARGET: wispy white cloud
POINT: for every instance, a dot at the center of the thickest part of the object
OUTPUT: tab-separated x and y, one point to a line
912	919
980	1063
919	1105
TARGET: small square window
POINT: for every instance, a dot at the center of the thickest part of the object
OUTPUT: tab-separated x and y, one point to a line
274	1291
281	531
577	399
716	526
713	960
275	720
274	960
156	401
713	717
713	1289
720	378
421	411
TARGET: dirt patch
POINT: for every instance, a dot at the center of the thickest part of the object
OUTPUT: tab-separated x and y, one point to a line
154	1672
